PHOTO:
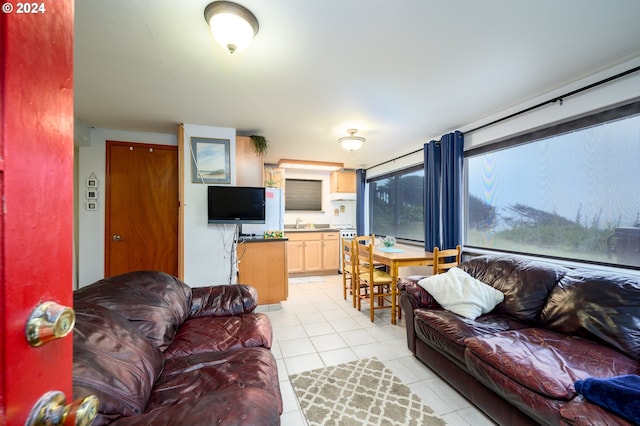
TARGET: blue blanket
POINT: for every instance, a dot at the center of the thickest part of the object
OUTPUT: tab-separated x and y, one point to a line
620	395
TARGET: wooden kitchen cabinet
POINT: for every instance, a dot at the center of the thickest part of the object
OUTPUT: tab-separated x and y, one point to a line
263	265
313	252
343	182
331	251
306	252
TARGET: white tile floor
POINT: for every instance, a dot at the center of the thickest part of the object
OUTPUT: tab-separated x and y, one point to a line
315	328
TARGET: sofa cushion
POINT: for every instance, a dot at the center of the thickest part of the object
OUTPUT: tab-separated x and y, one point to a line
223	300
546	362
112	360
459	292
195	376
447	331
237	407
156	302
534	369
216	334
597	305
525	283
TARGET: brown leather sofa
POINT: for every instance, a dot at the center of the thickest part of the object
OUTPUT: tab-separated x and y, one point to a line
519	362
157	352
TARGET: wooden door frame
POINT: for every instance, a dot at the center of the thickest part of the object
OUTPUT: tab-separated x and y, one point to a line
107	218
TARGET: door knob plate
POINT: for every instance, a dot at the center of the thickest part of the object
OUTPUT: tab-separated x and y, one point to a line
49	321
51	409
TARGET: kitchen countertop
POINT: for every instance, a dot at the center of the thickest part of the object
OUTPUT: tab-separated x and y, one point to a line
259	239
287	231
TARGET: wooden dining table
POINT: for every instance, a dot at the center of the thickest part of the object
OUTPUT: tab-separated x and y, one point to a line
396	257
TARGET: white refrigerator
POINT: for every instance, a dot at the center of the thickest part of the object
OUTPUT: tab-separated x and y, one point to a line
274	214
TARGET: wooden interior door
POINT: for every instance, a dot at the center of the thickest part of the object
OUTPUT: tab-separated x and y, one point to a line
141	208
36	188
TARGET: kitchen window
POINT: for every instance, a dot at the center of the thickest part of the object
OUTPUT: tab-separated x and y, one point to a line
303	195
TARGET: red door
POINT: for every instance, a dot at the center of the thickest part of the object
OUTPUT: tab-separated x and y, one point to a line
36	178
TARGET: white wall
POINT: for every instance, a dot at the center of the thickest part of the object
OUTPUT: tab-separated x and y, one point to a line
605	96
92	159
207	248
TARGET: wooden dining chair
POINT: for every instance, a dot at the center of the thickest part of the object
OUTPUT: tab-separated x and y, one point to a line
443	260
348	265
373	284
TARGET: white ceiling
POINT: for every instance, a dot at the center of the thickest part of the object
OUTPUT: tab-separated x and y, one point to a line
400	71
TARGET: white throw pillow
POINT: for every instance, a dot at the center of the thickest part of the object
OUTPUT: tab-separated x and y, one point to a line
459	292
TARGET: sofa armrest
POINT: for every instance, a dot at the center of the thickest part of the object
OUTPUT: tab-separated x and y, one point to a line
419	297
223	300
413	296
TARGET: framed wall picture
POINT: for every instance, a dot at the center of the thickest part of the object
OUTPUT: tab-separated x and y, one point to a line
92	194
210	160
92	205
92	182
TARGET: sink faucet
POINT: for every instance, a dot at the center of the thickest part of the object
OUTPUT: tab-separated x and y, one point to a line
298	222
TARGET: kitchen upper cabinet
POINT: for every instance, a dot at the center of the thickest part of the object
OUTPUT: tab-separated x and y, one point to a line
343	182
249	165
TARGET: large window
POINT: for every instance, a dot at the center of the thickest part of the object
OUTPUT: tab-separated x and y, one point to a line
574	194
397	204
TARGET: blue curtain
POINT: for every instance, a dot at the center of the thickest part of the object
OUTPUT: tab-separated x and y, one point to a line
452	151
431	195
361	181
443	162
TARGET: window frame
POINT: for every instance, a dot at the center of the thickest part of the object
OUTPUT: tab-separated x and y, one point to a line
394	174
594	118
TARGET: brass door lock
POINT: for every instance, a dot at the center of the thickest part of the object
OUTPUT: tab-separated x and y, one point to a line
49	321
51	410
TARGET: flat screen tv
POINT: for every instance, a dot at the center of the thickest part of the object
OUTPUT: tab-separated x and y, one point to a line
235	204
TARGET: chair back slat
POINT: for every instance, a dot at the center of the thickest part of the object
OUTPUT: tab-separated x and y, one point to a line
443	260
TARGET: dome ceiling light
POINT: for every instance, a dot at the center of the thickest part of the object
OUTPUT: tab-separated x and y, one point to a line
352	142
232	25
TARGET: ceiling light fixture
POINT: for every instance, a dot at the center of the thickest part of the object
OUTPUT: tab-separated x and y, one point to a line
232	25
352	142
309	165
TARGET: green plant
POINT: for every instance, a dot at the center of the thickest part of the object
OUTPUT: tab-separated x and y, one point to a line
260	144
271	181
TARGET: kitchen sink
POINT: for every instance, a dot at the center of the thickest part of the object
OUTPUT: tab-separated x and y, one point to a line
307	227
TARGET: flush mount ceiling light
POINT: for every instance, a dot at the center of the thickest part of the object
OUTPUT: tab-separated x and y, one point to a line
309	165
232	25
352	142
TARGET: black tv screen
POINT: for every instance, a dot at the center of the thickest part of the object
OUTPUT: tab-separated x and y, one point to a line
235	204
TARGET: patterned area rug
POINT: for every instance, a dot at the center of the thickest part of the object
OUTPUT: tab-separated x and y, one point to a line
361	392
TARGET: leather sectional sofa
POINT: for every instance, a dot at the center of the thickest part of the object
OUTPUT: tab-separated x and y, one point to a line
519	363
157	352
